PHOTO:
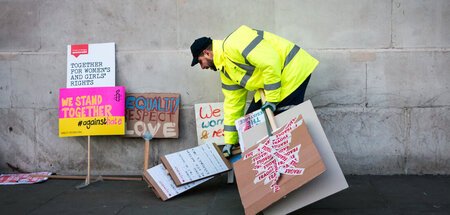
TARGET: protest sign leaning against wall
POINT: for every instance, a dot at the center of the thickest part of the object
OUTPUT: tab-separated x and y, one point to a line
91	111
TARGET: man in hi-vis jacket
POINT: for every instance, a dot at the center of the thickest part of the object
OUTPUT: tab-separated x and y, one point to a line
251	59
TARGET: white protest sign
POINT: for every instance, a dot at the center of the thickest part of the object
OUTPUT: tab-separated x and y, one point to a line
246	122
91	65
209	121
196	163
163	183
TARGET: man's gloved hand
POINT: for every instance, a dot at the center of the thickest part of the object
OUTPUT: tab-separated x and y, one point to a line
227	149
269	105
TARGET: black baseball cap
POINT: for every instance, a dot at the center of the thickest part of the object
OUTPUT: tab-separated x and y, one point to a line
198	46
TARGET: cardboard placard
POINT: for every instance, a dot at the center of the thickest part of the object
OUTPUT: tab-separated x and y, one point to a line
209	121
162	184
195	164
24	178
326	184
246	122
277	166
91	65
91	111
154	112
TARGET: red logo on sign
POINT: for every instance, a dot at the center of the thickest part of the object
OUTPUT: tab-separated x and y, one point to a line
77	50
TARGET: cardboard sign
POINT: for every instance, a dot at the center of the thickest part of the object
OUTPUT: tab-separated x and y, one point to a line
277	166
326	184
26	178
162	184
154	112
91	111
196	163
209	121
246	122
91	65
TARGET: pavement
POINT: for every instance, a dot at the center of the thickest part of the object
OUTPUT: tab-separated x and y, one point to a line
365	195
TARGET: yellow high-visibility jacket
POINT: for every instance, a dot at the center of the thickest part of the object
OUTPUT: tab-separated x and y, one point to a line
251	59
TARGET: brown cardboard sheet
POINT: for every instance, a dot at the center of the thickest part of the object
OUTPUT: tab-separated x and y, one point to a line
326	184
257	196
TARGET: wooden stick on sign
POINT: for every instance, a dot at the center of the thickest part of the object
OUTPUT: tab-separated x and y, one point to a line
147	137
147	150
269	112
84	177
89	160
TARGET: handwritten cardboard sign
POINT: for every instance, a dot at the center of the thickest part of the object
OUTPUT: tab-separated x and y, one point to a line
209	121
91	65
195	163
154	112
277	166
91	111
162	184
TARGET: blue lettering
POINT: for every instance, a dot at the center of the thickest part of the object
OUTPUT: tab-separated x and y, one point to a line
129	102
176	105
149	104
171	104
137	103
212	123
159	106
155	104
167	99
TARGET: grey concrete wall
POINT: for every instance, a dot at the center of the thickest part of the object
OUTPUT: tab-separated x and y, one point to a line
381	89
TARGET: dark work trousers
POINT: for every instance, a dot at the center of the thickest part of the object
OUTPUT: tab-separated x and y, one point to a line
293	99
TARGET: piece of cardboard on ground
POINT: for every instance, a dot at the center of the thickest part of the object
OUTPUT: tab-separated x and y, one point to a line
154	112
326	184
162	184
22	178
195	163
291	153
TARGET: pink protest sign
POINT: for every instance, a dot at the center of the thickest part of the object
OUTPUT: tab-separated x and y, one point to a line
92	111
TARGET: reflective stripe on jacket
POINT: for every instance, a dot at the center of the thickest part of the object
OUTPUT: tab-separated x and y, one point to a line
251	59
